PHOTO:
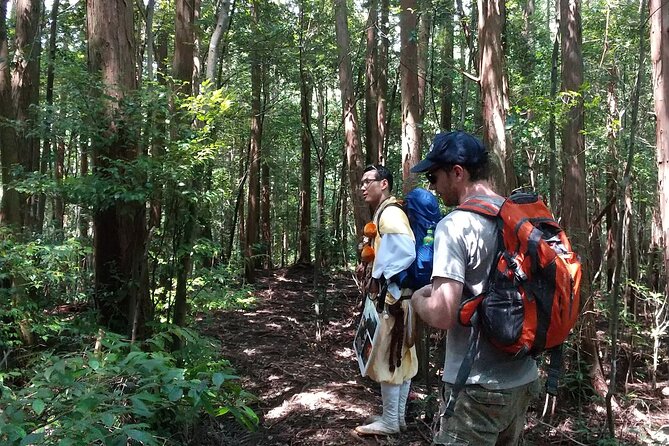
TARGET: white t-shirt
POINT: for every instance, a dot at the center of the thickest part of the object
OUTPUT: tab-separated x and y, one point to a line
464	248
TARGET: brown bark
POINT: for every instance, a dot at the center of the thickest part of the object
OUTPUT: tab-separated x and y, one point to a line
304	245
574	206
183	65
371	106
659	49
411	130
48	141
494	93
446	114
18	91
352	144
253	207
424	36
382	79
120	230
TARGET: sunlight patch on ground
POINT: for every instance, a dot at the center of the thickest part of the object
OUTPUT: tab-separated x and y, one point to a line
273	325
346	353
311	401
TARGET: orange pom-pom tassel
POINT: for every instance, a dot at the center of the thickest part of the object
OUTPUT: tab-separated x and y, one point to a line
369	230
367	255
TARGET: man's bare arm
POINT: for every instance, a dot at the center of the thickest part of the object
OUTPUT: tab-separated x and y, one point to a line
437	304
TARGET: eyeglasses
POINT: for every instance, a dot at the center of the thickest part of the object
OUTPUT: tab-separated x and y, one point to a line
431	177
364	184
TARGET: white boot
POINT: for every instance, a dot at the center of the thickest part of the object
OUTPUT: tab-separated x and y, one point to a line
401	407
387	424
402	404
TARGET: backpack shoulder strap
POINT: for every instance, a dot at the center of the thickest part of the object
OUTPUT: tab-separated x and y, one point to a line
396	204
480	206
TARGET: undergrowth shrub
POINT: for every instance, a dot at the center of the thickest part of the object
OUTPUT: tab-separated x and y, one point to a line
119	392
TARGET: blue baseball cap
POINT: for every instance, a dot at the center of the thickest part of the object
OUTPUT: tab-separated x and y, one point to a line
449	148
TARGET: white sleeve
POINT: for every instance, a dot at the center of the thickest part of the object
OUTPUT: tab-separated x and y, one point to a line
395	254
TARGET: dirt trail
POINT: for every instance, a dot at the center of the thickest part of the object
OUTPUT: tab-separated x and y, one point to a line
310	392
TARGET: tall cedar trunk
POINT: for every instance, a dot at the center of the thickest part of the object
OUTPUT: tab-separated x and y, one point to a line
265	187
552	144
465	63
18	91
49	142
304	245
411	131
494	94
371	106
354	158
659	49
612	182
25	93
574	206
382	79
320	191
120	230
424	36
253	208
446	113
183	65
159	118
635	241
222	21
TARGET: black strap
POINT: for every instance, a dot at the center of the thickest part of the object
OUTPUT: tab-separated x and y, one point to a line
554	371
465	368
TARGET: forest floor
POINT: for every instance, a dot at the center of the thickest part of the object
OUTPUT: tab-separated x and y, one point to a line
310	391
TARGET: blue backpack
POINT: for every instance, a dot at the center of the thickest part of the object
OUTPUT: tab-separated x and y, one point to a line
422	210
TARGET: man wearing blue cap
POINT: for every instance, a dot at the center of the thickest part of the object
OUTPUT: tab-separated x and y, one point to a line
491	408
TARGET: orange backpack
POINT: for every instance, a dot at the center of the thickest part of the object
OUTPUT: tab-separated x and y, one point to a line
531	302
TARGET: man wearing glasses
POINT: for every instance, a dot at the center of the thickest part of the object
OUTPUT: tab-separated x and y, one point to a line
491	408
394	363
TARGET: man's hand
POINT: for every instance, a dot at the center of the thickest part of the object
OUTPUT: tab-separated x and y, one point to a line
437	304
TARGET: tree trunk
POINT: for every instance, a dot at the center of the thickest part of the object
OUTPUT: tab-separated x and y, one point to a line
304	245
222	22
183	65
371	78
19	90
120	229
411	131
574	206
494	93
446	113
253	208
354	157
659	49
49	142
552	144
423	56
382	80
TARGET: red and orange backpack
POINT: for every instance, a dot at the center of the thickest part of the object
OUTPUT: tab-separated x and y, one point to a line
531	302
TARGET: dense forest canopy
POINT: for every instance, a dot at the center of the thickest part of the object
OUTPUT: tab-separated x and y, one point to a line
157	155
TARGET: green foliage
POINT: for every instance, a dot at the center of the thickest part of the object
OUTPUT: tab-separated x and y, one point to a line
38	274
121	391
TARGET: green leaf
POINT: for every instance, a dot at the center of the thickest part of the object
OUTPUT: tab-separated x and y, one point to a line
139	407
108	419
175	393
38	406
142	436
32	439
218	379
